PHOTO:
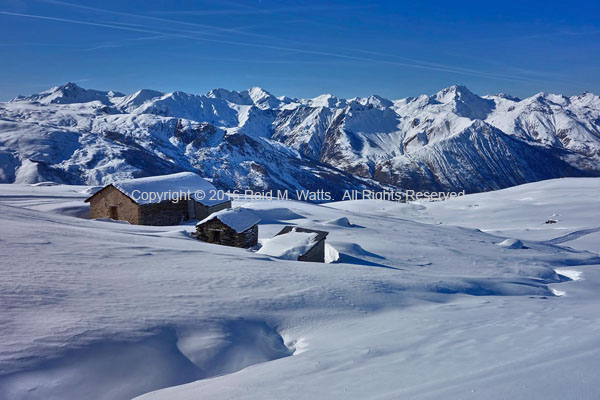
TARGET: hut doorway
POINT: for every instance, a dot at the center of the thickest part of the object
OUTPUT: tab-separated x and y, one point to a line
113	212
216	236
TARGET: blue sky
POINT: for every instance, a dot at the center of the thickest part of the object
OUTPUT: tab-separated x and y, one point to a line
301	48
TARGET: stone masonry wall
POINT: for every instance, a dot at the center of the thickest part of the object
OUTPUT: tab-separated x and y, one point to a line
203	211
228	236
316	254
165	213
127	209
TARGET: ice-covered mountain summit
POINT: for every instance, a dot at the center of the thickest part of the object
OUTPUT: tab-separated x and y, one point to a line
451	140
69	93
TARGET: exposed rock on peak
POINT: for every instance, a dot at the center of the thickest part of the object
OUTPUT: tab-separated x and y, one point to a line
452	140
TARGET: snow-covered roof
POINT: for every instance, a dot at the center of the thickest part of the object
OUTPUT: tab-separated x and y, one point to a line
291	243
288	229
238	219
154	189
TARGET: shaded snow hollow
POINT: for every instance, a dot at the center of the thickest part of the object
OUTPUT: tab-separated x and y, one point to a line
164	357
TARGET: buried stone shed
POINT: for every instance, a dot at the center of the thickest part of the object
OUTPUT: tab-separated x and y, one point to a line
157	200
237	227
294	243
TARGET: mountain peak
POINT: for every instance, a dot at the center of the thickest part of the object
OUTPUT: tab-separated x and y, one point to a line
258	91
258	94
454	92
326	100
464	102
549	99
262	99
587	99
138	98
218	93
68	93
508	97
372	101
231	96
68	87
69	90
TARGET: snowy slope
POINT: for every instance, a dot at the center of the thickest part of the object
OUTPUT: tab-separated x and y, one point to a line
559	200
452	140
412	309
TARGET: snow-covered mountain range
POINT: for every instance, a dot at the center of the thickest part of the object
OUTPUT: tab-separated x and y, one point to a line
452	140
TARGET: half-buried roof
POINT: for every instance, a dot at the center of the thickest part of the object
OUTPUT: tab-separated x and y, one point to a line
292	242
168	187
319	234
238	219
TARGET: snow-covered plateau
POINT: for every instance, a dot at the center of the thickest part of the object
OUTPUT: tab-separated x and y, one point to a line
452	140
486	296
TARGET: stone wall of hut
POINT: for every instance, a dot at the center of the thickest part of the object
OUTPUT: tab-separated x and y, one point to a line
226	235
164	213
316	254
111	203
203	211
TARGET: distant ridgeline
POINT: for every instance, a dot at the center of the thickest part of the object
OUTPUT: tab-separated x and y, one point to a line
453	140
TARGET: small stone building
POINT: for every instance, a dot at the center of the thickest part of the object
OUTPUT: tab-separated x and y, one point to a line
237	227
294	243
314	252
158	200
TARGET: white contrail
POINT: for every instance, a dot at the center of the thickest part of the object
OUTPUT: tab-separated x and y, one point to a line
274	47
170	21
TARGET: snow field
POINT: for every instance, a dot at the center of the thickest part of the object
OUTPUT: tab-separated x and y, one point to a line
414	307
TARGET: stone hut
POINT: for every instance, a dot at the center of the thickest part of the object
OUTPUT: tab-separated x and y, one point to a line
294	243
158	200
237	227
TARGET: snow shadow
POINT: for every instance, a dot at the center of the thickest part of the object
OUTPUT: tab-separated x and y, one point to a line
572	236
342	222
493	287
357	250
277	216
115	370
353	253
348	259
